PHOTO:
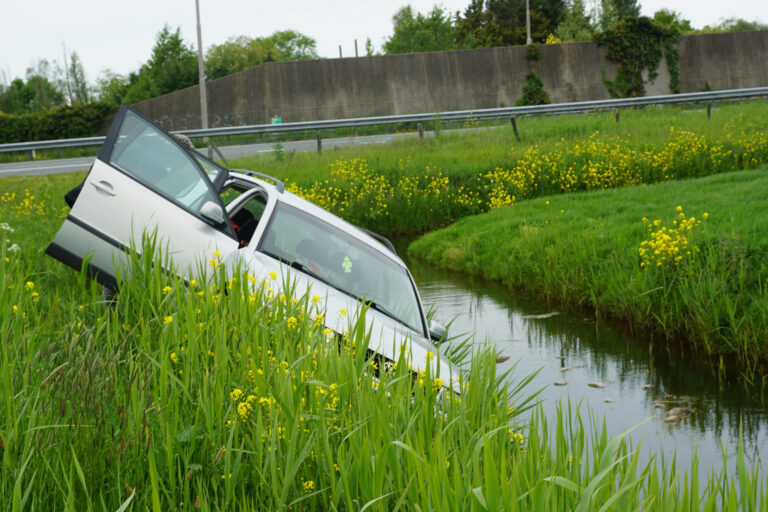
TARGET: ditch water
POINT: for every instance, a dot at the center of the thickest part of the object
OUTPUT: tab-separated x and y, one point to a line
639	384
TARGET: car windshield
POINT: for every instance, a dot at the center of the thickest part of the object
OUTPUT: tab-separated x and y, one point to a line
342	261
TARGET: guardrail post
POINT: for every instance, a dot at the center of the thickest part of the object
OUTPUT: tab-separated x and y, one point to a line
421	131
319	142
709	110
617	116
514	127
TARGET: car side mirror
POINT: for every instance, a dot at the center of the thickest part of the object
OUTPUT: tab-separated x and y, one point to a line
213	213
437	332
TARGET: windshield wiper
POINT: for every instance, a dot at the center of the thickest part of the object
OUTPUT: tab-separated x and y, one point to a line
378	307
303	268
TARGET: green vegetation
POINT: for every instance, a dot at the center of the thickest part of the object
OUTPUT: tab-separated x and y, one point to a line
533	91
191	397
621	254
636	45
66	122
412	187
243	52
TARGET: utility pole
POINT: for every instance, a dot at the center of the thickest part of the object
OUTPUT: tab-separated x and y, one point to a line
201	73
528	39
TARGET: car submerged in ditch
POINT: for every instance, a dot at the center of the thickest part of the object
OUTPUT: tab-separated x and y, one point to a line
145	180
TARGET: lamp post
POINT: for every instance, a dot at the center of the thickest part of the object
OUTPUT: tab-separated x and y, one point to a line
528	39
201	74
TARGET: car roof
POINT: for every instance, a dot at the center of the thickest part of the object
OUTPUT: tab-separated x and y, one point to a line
299	202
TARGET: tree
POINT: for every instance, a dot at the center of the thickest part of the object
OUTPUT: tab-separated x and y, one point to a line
502	22
421	33
78	84
734	25
672	19
292	45
111	87
172	66
576	24
477	28
613	11
243	52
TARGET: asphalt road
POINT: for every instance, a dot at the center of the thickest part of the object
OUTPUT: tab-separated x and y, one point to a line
38	167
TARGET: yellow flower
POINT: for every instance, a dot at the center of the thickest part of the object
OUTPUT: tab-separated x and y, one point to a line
343	312
430	356
217	254
29	285
193	283
236	395
315	299
705	215
166	290
35	296
174	358
15	309
308	486
291	322
438	383
273	276
167	320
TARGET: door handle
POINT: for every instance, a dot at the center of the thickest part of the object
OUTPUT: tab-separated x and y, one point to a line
103	186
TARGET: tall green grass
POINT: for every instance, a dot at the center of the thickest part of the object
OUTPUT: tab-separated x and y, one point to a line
146	405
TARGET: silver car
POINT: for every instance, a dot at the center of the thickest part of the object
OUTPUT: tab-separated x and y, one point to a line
145	180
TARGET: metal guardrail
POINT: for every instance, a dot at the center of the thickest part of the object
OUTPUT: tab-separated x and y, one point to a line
556	108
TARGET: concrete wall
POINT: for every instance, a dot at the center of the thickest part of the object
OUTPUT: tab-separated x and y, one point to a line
439	81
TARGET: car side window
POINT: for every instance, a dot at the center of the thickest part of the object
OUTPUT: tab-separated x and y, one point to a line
246	219
146	153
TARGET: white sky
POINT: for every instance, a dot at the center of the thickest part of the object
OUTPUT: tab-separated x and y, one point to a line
120	35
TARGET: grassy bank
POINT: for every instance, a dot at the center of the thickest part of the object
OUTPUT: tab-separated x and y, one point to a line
697	274
408	187
191	398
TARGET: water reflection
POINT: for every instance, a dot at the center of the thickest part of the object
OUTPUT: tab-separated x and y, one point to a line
639	382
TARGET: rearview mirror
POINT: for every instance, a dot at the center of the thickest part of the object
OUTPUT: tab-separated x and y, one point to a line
213	213
437	332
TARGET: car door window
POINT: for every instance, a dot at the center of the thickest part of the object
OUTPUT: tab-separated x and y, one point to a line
149	155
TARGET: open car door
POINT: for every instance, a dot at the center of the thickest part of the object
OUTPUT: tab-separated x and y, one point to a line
143	180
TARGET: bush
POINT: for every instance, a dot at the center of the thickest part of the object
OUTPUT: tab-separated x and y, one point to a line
87	120
533	92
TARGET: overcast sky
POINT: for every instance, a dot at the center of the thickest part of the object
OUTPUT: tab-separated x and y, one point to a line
120	35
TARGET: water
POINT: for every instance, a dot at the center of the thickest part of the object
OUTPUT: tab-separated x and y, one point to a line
640	382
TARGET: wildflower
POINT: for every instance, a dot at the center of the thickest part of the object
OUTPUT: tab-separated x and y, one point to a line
308	486
29	285
236	394
343	312
273	276
315	299
14	248
291	322
217	254
438	383
174	358
166	290
192	283
167	320
35	296
430	356
15	309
